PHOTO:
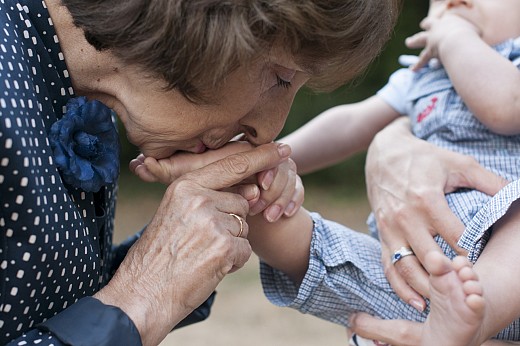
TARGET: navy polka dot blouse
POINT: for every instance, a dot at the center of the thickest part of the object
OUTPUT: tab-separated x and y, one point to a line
56	241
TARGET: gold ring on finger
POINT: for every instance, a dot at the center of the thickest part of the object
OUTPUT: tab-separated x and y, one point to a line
241	221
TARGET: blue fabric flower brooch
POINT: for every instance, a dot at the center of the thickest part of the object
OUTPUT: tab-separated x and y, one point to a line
85	144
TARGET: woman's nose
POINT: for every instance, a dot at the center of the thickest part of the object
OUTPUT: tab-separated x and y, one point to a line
264	130
264	124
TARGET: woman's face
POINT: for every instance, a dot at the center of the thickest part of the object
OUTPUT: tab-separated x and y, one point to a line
253	100
497	20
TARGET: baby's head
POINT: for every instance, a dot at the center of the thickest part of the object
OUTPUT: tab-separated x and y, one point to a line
497	20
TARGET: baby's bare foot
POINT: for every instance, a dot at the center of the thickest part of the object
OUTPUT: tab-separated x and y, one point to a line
457	303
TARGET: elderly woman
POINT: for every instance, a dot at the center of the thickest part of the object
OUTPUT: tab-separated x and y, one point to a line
181	76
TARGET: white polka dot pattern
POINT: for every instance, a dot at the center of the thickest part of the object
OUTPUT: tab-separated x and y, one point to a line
55	240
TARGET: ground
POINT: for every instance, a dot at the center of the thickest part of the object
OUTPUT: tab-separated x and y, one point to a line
241	314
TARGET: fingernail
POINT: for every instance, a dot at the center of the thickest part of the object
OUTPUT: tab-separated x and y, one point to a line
284	150
273	213
249	192
289	211
259	206
268	180
418	305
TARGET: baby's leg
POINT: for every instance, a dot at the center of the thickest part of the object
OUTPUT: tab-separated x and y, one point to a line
497	270
457	304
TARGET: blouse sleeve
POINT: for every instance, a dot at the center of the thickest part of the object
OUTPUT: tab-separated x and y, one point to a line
87	322
90	322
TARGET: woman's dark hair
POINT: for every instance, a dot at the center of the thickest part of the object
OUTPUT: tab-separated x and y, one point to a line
194	44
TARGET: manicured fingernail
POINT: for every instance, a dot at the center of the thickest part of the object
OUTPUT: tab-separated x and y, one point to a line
289	211
268	180
284	150
418	305
273	213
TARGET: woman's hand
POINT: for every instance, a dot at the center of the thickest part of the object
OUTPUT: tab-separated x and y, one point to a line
407	179
397	332
393	332
191	243
280	190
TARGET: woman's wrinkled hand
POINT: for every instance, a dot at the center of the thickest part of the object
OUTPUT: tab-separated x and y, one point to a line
397	332
191	243
278	191
407	180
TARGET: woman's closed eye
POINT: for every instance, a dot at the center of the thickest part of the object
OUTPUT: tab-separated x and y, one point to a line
282	83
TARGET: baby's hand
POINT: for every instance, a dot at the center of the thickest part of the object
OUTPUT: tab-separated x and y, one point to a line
278	191
147	168
281	192
438	30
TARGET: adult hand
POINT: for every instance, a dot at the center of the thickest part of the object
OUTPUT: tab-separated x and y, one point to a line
407	179
191	243
280	190
397	332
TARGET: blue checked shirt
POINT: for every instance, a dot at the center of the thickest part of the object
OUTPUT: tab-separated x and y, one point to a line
345	274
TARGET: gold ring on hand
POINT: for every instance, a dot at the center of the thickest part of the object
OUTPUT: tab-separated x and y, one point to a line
241	221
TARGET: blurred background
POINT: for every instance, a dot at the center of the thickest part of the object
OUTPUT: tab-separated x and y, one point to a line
241	314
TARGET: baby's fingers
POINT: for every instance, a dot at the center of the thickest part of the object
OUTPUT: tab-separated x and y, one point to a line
279	191
417	41
424	58
144	174
139	160
297	198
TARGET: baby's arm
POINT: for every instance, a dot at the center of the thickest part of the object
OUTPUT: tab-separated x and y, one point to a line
338	133
488	83
285	244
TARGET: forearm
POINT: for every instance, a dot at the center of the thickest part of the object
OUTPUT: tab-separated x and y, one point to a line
285	244
477	72
137	306
338	133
